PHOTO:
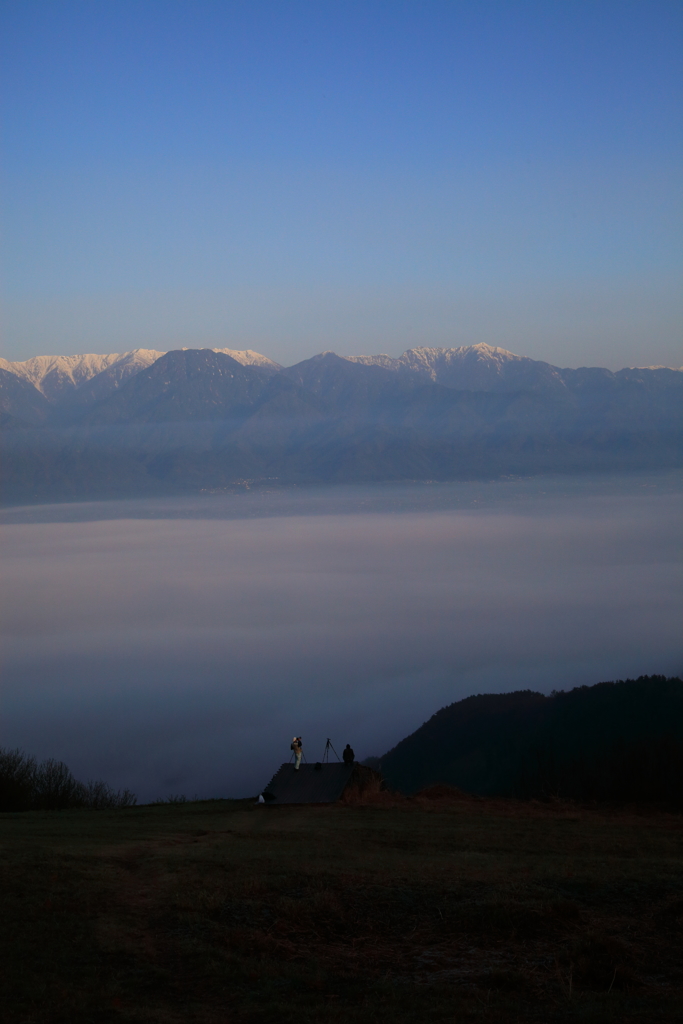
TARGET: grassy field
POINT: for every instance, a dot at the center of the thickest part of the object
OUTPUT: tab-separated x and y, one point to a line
424	910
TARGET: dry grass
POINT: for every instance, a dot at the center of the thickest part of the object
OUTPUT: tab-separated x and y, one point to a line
439	908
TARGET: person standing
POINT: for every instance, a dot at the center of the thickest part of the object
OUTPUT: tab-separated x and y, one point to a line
348	754
297	746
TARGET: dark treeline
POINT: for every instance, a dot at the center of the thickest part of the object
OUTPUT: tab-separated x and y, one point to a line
26	785
616	742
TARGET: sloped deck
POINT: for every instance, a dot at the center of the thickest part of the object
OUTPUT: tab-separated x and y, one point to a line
311	784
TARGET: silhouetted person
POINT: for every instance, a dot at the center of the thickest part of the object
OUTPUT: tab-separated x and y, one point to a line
348	755
297	746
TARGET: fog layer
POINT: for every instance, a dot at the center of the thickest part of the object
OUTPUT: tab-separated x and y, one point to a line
182	654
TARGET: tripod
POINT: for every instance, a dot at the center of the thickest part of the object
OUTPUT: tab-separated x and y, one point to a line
326	755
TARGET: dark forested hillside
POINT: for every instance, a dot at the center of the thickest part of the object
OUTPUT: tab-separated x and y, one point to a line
620	741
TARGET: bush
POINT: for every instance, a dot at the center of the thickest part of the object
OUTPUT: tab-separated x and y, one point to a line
17	780
26	785
99	796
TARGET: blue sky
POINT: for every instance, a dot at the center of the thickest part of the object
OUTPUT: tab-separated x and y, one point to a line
363	176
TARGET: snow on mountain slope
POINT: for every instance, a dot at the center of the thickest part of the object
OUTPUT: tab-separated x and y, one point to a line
430	361
482	368
58	377
53	375
104	383
471	368
247	357
388	362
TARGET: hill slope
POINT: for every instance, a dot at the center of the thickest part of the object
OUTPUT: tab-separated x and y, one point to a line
615	741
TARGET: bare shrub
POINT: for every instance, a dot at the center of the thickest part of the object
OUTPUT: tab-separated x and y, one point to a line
17	780
55	788
100	796
26	785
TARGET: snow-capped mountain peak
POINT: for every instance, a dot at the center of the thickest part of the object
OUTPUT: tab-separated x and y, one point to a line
471	367
58	377
247	357
430	360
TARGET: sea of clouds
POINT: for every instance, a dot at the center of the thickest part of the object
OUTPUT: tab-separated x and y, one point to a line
176	646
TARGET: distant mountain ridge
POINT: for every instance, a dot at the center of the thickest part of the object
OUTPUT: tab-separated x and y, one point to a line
478	367
192	419
487	368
